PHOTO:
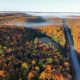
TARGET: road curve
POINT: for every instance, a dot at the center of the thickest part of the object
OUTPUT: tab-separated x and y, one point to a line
47	40
73	56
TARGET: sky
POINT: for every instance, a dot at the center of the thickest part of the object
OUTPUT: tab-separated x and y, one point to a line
40	5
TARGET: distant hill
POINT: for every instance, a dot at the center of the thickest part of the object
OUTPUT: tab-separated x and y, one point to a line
19	16
13	14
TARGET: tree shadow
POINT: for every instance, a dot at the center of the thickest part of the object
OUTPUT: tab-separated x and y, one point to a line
31	34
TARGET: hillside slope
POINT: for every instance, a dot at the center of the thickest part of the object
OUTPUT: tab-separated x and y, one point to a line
74	26
56	32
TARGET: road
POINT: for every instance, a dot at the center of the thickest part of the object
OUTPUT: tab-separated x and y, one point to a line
47	40
73	56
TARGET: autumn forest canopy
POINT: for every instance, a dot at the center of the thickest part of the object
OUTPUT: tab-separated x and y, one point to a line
38	53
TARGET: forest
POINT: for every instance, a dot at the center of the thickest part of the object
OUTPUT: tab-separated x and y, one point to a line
24	56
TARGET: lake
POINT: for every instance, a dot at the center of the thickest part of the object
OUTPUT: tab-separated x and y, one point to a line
37	24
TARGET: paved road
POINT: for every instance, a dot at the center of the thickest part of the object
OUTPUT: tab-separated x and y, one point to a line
47	40
73	55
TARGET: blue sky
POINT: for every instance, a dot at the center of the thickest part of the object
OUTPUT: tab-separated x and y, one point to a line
40	5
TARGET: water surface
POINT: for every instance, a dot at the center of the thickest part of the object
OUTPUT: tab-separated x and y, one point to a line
37	24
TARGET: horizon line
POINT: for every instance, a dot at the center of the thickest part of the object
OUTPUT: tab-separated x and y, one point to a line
42	11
